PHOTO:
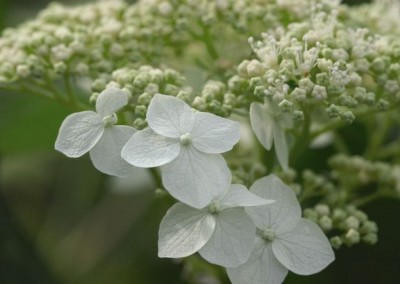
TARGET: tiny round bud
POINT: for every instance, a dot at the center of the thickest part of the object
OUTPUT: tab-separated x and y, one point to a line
322	209
352	223
325	223
139	123
352	237
370	239
336	242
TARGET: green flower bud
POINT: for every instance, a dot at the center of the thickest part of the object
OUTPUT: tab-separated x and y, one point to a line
352	237
306	84
322	79
93	98
348	117
141	110
351	222
242	68
382	104
23	71
99	85
336	242
369	227
298	94
361	216
199	103
311	214
322	209
185	96
298	116
145	99
259	91
139	123
152	89
338	215
230	99
370	238
325	223
285	105
171	90
60	68
141	81
255	68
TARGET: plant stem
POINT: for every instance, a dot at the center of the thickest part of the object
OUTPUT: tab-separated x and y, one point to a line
156	176
303	140
372	197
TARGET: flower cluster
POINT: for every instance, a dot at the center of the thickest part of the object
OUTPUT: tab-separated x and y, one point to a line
209	218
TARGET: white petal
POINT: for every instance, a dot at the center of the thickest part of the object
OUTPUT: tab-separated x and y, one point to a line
305	250
281	147
196	178
214	134
232	241
261	268
184	230
262	123
281	215
147	149
110	101
106	154
79	132
169	116
238	195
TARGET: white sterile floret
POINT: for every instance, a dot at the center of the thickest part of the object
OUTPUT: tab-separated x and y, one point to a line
284	240
221	232
187	145
268	122
95	132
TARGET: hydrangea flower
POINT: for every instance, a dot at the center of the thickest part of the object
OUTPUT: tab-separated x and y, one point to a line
268	123
96	133
284	241
221	232
187	145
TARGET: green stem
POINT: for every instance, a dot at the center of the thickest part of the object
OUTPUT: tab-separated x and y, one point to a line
68	88
372	197
303	140
156	176
377	136
208	41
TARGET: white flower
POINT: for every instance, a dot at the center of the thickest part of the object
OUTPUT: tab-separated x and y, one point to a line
95	132
221	232
284	241
268	122
187	144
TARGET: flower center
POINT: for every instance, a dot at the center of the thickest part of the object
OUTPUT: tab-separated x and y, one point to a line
110	120
186	139
268	235
214	207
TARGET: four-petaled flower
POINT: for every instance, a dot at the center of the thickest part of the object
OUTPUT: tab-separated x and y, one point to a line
187	145
268	123
95	132
221	232
284	241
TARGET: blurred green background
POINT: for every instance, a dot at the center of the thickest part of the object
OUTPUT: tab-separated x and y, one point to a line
61	221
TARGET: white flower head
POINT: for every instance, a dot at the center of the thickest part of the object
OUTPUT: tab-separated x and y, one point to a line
268	123
187	145
284	241
221	232
95	132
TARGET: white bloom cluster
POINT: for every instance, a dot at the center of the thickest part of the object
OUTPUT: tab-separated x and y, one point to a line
316	67
209	217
